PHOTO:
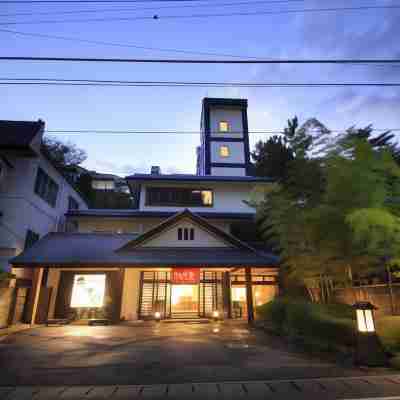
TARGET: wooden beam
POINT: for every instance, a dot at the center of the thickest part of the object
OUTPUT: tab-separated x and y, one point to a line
249	296
34	295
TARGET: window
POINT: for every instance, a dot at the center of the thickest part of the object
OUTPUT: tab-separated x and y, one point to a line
72	204
185	233
224	151
103	185
178	197
46	188
88	290
31	238
224	126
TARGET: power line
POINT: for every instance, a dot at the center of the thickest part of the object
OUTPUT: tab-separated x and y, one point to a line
178	132
119	83
233	14
208	5
126	45
89	1
206	61
135	46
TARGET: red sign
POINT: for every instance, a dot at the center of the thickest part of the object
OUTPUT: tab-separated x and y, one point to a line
185	275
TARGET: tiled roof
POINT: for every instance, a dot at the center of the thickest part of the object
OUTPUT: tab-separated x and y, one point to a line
18	134
98	250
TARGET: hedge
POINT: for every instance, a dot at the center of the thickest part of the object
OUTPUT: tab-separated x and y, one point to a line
331	324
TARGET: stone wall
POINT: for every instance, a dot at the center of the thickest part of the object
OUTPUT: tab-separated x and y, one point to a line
378	295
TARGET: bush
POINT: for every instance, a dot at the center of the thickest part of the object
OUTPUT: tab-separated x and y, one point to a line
330	324
388	329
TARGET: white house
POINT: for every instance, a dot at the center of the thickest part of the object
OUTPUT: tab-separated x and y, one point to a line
34	195
174	254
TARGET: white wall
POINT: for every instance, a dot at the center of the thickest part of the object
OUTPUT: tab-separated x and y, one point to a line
228	196
236	152
169	238
232	115
130	294
224	171
130	225
23	209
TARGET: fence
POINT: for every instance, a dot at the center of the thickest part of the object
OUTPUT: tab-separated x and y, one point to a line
380	295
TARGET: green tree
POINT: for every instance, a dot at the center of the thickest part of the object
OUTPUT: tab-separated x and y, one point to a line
62	153
271	158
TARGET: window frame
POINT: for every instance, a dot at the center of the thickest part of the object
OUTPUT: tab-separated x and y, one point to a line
228	126
46	187
71	200
228	151
169	197
31	237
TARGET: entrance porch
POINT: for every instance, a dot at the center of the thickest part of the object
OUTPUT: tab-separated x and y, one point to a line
126	294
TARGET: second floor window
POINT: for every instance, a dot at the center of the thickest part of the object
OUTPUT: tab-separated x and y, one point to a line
178	197
31	238
46	188
72	204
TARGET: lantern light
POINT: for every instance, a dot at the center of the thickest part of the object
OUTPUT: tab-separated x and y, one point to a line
157	316
215	315
369	350
365	317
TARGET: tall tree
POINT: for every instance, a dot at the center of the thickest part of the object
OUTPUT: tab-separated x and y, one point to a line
271	158
62	153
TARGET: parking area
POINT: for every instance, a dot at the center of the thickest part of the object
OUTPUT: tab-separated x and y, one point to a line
151	353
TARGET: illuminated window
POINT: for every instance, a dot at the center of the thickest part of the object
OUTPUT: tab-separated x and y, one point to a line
224	126
88	290
224	151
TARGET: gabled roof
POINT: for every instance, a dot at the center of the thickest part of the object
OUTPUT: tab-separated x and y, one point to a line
226	237
98	250
18	135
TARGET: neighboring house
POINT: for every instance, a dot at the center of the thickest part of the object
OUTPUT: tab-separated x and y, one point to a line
172	255
34	195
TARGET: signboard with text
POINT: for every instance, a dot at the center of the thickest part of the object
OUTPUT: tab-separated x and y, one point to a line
185	276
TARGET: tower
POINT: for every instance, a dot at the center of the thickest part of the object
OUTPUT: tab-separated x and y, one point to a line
224	149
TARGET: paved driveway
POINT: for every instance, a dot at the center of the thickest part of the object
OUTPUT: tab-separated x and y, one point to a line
148	353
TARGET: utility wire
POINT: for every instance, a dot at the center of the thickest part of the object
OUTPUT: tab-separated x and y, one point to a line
115	83
206	61
89	1
233	14
177	132
135	46
126	45
208	5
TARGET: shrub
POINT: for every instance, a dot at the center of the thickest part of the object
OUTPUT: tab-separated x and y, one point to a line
388	329
331	324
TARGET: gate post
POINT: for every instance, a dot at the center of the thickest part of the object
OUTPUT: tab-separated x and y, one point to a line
34	295
249	296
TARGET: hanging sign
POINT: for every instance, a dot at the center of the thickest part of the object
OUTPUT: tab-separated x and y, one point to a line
185	275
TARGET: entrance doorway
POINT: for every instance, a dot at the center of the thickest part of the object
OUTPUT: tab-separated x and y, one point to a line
185	300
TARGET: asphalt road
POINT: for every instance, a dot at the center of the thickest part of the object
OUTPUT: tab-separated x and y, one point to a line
150	353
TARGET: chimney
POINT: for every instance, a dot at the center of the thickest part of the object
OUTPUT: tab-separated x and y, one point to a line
155	170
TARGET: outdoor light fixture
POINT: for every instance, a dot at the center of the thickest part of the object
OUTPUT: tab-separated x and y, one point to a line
157	316
369	350
215	315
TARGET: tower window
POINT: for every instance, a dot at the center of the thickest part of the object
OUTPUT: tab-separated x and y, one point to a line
224	126
224	151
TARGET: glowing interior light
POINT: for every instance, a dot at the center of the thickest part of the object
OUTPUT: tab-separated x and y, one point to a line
215	314
88	291
179	291
157	315
238	294
215	330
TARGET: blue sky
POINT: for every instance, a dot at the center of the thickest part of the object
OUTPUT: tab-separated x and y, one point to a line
353	34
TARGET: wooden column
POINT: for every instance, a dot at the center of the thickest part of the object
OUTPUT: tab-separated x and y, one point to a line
34	295
249	295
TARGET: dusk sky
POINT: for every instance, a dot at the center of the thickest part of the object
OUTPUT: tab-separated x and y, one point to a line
341	34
